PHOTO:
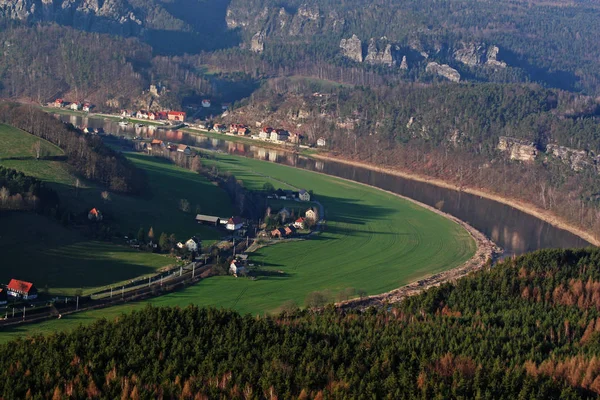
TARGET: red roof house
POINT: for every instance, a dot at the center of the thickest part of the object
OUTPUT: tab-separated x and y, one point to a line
17	288
176	116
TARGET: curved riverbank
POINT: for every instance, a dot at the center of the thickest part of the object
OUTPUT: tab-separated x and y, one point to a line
486	251
527	208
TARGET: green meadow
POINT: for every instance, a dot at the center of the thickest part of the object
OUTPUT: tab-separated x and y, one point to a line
64	261
373	242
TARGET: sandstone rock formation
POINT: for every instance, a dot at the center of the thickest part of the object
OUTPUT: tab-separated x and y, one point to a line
443	70
578	160
257	43
379	54
352	48
518	149
474	54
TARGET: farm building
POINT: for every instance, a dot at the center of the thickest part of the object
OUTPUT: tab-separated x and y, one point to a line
304	195
182	148
234	224
23	289
208	219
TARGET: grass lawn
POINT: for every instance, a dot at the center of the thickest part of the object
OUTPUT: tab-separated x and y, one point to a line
373	241
38	249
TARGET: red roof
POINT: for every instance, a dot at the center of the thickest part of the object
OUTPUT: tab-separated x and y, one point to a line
19	286
156	141
176	113
93	211
300	219
235	220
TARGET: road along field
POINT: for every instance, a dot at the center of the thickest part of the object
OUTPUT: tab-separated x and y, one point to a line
63	261
373	242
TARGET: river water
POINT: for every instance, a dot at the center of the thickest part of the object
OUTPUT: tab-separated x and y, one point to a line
513	230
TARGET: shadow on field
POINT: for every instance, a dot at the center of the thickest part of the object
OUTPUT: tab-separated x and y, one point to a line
351	211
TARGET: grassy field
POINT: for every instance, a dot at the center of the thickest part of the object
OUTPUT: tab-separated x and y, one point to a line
38	249
374	242
41	250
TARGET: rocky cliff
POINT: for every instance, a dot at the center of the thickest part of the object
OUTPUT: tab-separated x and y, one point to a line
477	54
381	52
352	48
443	70
110	16
517	149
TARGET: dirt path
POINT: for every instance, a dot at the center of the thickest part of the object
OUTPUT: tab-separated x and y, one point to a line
518	204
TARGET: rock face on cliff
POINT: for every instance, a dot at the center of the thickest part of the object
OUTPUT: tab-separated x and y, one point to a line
109	16
380	53
258	42
518	149
578	160
443	70
474	54
352	48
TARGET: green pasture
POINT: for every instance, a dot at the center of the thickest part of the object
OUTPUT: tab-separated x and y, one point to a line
373	242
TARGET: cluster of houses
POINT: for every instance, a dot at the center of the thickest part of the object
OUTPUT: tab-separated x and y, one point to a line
177	116
302	195
291	228
267	133
75	105
19	290
157	145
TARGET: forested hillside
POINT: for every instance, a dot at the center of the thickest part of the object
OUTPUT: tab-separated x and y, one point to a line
550	43
525	328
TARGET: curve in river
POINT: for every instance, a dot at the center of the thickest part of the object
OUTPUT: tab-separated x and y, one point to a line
513	230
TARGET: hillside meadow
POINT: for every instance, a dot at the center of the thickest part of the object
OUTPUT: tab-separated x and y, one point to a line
64	261
373	242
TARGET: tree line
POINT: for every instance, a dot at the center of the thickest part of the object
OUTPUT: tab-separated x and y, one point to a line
22	192
87	154
479	337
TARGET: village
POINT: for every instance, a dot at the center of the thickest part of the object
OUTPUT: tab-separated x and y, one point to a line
178	118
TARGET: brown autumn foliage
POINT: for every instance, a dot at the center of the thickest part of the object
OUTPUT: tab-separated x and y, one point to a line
578	371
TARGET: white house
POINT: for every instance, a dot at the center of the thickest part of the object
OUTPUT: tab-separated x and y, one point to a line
321	142
311	214
75	106
206	103
234	224
86	107
304	195
193	244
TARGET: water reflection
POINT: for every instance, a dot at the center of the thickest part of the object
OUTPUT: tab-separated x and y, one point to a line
513	230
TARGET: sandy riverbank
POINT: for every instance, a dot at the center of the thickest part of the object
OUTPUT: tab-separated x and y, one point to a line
519	205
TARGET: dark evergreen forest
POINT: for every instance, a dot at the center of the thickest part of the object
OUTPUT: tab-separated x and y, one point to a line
526	328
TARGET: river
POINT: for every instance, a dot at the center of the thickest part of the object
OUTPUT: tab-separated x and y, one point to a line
513	230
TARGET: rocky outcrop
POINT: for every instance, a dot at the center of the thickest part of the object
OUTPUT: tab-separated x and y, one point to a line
404	63
380	53
352	48
518	149
110	16
443	70
474	54
257	44
578	160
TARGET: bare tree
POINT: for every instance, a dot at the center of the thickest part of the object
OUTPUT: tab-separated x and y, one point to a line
36	148
105	196
4	194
